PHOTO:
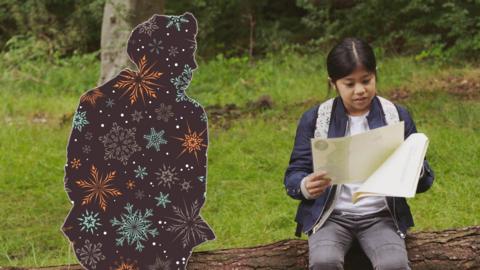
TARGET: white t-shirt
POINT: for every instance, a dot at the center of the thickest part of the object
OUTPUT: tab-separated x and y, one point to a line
365	205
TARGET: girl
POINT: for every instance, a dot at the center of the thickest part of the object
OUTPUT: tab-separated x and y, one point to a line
325	212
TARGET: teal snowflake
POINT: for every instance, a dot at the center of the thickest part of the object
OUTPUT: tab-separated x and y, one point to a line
80	120
89	221
201	178
162	200
181	83
203	117
134	227
155	139
140	172
177	21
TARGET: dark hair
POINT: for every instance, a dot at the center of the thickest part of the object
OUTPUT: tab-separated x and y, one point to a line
347	55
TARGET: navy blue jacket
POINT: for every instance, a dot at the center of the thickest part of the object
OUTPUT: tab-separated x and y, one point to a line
300	164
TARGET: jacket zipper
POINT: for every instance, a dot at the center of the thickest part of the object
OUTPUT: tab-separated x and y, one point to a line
332	206
394	216
326	201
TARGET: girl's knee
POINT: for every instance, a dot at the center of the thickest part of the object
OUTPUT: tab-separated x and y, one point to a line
391	257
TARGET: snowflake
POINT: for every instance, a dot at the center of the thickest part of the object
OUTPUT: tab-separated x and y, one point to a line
162	200
89	221
203	117
110	103
130	184
119	143
192	142
148	27
156	46
92	96
201	178
88	136
177	21
90	254
188	224
160	264
164	112
155	139
75	163
181	84
137	116
185	185
80	120
139	194
98	188
140	172
134	227
124	264
86	149
173	51
166	176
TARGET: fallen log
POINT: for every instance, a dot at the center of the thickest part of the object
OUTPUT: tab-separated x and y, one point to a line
446	250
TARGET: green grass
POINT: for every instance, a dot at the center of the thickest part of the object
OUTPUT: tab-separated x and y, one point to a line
246	202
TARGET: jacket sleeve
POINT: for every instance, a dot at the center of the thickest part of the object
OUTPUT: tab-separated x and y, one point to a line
427	175
300	164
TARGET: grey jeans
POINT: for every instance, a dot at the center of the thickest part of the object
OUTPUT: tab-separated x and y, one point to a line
375	234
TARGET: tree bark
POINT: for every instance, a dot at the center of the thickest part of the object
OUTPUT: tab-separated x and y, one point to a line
119	19
448	249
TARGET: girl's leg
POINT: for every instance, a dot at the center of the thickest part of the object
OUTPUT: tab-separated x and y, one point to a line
328	246
383	246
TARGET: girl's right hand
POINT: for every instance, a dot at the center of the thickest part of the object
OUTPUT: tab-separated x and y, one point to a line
316	183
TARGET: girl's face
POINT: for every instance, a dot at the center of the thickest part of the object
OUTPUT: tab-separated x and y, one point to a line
357	91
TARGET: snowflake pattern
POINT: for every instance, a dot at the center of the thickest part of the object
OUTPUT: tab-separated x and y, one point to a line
139	194
86	149
134	227
119	143
201	178
88	136
148	27
109	103
89	221
137	116
188	224
90	254
181	84
75	163
203	117
166	176
162	199
185	185
80	120
176	21
173	51
155	46
164	112
140	172
155	139
160	264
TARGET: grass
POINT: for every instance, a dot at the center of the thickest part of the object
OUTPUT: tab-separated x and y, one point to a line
246	202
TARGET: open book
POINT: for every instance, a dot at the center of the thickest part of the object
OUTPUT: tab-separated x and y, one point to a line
380	159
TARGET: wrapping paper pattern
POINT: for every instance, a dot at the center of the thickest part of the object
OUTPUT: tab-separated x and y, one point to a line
136	169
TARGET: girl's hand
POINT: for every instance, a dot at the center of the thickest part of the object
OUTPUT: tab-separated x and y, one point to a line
316	183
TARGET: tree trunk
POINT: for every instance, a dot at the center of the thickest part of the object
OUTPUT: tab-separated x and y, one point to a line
119	19
448	249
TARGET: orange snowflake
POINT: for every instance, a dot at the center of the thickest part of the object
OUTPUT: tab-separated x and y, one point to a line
75	163
124	264
92	96
139	83
98	188
130	184
192	142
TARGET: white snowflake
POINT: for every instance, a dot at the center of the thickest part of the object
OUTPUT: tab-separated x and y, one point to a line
148	27
160	264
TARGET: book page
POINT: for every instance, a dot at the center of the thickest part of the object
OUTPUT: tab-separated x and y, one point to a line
398	176
353	159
